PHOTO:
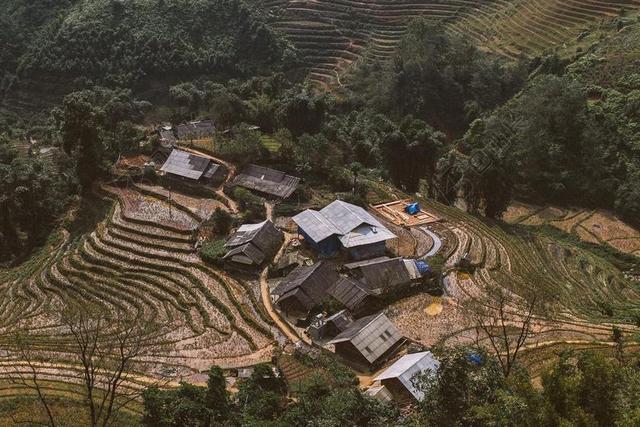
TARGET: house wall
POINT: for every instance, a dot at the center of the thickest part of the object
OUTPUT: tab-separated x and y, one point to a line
367	251
397	389
327	248
292	306
352	356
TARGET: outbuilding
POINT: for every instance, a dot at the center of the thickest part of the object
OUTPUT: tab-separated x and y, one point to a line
368	341
400	378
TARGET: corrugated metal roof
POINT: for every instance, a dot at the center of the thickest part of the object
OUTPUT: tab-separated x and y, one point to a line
197	129
313	280
248	250
257	241
350	293
407	367
354	225
385	274
185	164
315	225
265	180
372	336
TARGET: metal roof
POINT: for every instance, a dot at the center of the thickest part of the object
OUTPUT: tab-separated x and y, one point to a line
313	281
385	273
350	293
185	164
257	241
265	180
407	367
197	129
353	225
372	336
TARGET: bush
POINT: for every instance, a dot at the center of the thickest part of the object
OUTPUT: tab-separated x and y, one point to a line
221	221
252	206
212	251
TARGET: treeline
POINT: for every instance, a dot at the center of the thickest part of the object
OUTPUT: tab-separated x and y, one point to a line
468	389
80	141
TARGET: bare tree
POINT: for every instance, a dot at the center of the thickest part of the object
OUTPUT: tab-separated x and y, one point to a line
108	346
31	379
506	321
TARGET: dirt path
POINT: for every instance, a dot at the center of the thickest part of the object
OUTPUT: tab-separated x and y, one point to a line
266	298
268	206
233	206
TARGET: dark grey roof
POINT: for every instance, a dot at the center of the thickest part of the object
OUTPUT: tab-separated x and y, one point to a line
372	336
384	273
185	164
267	181
341	320
313	281
212	170
254	239
350	293
353	225
195	130
248	250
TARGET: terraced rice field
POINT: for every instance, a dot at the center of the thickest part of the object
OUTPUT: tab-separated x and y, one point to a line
587	294
139	259
595	226
332	35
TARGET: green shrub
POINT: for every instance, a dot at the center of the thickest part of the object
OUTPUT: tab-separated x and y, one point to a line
212	251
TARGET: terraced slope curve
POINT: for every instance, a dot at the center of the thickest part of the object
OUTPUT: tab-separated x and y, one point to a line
140	259
331	35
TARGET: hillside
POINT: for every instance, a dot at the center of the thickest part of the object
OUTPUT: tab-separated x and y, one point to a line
332	36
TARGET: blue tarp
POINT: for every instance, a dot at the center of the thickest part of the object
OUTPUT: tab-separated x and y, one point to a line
412	208
423	267
475	358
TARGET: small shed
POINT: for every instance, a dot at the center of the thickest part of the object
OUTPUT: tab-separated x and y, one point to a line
355	296
384	275
368	341
199	129
252	244
399	378
323	328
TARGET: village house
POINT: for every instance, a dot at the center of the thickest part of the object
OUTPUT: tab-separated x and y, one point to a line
191	167
346	227
384	275
199	129
355	296
368	341
305	288
253	244
399	378
269	182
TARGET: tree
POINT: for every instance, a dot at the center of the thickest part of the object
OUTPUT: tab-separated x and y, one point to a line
108	347
505	320
217	396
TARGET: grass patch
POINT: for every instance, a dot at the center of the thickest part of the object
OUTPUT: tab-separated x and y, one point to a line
270	143
621	260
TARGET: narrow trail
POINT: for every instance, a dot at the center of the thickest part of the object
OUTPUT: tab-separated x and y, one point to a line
266	299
